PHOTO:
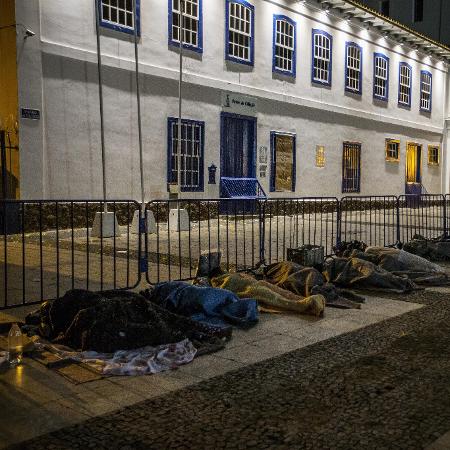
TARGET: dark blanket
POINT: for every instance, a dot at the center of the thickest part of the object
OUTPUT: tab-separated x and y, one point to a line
119	320
363	274
306	281
402	263
432	249
205	304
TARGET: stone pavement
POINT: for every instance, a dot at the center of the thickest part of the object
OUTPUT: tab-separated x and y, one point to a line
40	401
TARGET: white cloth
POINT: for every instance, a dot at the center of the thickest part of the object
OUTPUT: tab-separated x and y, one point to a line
139	361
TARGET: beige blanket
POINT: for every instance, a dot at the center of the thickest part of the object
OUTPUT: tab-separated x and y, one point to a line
270	298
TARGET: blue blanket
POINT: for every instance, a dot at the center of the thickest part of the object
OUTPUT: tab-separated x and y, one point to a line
206	304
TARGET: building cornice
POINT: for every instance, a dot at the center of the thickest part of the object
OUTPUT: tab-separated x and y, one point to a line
353	9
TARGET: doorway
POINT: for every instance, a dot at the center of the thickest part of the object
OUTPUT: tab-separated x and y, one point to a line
238	147
413	169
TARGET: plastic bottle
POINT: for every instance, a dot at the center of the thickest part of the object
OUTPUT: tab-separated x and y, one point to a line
15	345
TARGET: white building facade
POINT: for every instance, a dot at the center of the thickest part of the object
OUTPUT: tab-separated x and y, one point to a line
287	92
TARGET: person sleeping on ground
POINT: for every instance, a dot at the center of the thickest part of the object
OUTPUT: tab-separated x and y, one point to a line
307	281
359	273
270	297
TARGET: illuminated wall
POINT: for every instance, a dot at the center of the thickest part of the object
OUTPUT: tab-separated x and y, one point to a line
9	95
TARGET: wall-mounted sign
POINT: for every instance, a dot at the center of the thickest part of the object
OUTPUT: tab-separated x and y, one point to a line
262	171
320	156
32	114
263	154
239	104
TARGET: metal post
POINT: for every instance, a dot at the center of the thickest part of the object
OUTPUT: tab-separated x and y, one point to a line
138	97
180	100
100	94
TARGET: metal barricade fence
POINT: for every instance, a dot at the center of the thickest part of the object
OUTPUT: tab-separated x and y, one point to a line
47	247
371	219
421	214
181	230
293	222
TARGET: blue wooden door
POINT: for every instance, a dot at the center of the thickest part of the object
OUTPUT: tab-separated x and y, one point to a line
238	145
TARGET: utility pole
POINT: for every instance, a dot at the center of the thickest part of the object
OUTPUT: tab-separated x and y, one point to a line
138	98
100	94
180	92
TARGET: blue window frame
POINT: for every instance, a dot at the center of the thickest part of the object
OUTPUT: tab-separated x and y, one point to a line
118	15
322	57
283	163
193	24
404	84
380	76
284	45
426	90
192	153
351	167
239	32
353	68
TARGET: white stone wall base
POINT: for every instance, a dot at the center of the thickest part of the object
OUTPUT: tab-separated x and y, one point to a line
150	224
105	224
178	220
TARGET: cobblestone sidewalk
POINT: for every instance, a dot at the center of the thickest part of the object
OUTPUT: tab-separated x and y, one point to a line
382	387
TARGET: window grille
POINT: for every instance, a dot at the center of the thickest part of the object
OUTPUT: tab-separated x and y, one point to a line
191	159
191	22
381	77
118	14
425	90
404	90
283	171
351	167
240	32
284	45
353	65
392	150
322	52
433	155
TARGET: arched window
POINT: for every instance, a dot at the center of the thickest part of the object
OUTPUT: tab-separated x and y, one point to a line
284	45
353	68
240	31
321	57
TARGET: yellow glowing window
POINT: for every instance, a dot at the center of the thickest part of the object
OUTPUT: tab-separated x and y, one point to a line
433	155
392	150
320	156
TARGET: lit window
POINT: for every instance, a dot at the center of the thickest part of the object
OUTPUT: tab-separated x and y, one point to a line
118	15
353	68
321	54
404	88
191	158
425	91
381	77
240	27
320	156
192	23
392	150
282	177
433	155
351	167
284	35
